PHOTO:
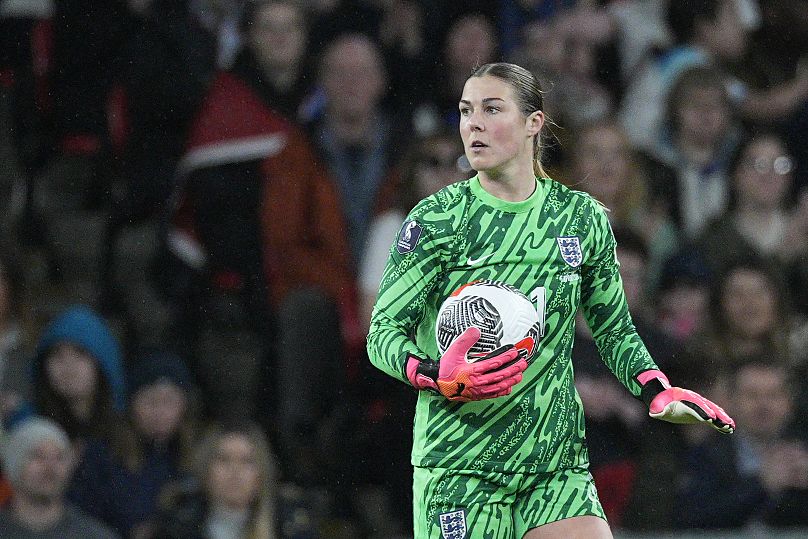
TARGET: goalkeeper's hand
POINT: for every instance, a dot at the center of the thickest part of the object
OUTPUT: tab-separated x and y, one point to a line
681	406
493	375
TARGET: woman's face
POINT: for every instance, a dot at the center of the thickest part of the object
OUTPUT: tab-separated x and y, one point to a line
277	35
749	303
71	372
158	410
234	478
703	116
495	133
603	163
764	176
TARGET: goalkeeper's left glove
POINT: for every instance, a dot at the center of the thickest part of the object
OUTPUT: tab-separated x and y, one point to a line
681	406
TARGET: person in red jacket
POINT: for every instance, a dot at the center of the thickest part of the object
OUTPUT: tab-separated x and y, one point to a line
260	235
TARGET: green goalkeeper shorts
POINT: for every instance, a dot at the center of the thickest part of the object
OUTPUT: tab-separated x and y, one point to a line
459	504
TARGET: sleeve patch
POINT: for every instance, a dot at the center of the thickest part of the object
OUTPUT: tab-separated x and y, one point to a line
408	237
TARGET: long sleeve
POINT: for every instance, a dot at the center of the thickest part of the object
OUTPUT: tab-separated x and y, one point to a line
409	277
605	307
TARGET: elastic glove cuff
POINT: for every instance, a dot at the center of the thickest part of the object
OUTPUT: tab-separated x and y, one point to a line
422	374
652	383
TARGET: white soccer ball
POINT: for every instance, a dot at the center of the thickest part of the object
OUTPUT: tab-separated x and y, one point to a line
502	313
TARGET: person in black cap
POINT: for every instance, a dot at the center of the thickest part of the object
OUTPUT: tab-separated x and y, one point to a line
160	410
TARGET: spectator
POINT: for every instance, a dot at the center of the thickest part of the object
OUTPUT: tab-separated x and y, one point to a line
701	134
234	493
683	296
765	466
714	33
261	263
37	457
355	136
161	418
749	315
575	49
78	380
603	163
274	58
470	40
764	218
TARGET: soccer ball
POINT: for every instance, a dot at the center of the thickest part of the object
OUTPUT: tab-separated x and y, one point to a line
502	313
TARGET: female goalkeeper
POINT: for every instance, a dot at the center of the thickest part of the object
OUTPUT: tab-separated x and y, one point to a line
499	447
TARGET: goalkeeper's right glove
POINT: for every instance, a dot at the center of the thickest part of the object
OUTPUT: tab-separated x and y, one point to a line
455	378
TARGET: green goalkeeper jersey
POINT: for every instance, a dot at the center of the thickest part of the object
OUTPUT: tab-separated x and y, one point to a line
558	248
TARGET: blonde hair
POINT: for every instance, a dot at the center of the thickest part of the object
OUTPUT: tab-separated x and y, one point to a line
528	95
263	522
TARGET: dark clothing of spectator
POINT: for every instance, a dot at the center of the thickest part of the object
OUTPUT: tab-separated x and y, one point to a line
186	511
724	465
163	74
87	38
116	495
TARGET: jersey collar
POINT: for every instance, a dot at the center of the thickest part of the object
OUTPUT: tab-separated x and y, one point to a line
534	200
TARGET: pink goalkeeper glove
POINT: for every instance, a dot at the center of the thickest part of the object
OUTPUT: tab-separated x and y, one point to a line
682	406
493	375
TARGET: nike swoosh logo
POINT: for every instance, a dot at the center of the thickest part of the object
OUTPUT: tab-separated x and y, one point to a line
475	261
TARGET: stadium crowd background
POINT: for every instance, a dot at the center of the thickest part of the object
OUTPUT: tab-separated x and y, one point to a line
196	197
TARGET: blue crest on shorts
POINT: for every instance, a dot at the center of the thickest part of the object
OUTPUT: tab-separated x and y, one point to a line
453	525
408	237
570	247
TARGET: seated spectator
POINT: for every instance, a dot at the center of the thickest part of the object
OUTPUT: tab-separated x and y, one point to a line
603	163
161	419
78	382
356	136
234	492
749	315
764	218
259	247
78	379
37	458
764	465
699	136
274	58
683	296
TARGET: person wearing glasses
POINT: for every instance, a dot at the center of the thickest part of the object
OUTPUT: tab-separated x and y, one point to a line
765	217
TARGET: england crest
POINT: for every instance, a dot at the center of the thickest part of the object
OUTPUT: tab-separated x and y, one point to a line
570	247
453	525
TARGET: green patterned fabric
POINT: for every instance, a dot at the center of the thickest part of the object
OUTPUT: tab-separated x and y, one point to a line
556	244
488	505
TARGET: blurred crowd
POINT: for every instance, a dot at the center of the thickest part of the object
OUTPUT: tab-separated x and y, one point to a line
197	199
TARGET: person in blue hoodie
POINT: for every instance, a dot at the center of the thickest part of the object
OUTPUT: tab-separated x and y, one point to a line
78	381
